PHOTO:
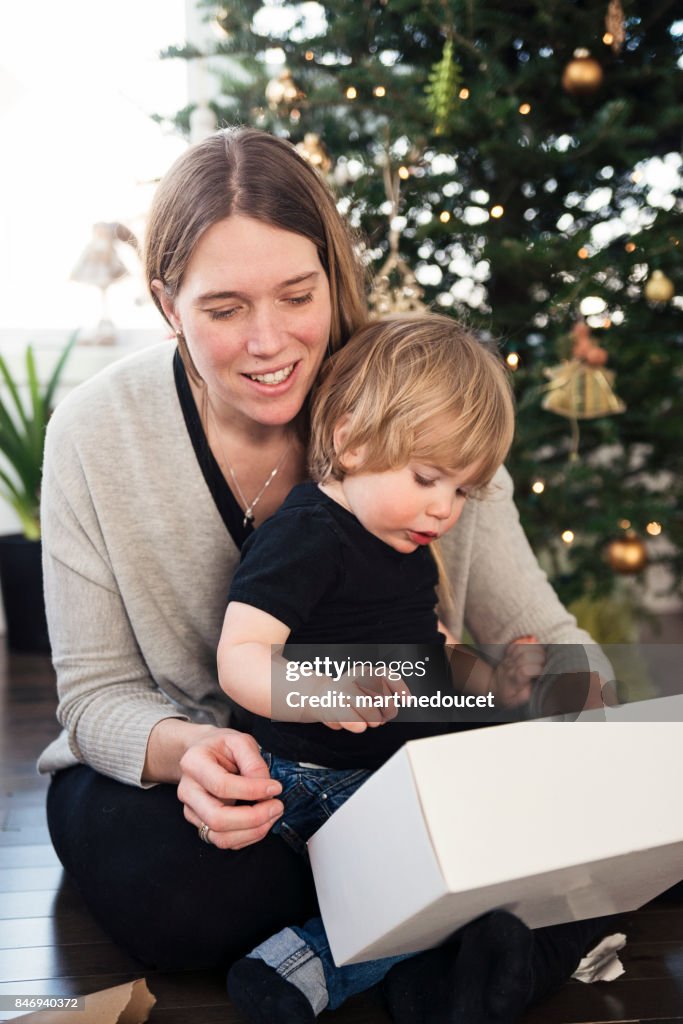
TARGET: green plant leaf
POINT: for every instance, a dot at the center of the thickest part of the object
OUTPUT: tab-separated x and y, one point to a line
55	378
14	391
22	436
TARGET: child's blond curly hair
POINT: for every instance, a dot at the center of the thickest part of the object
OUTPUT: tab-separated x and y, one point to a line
412	388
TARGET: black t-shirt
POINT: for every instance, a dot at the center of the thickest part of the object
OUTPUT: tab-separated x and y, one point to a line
313	566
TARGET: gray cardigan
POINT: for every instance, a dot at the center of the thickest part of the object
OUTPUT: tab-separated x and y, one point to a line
138	564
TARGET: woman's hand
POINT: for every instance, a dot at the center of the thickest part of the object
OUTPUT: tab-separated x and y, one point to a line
217	771
215	768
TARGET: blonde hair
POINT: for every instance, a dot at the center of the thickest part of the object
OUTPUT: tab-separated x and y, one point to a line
410	388
413	388
246	172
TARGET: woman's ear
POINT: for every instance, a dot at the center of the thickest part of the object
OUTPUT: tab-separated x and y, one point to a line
166	304
352	458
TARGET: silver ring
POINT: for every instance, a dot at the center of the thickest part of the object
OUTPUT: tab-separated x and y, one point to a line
203	831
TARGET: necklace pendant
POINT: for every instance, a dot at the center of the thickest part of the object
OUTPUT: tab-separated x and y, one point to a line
248	518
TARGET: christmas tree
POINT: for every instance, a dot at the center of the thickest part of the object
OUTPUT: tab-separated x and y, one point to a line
515	165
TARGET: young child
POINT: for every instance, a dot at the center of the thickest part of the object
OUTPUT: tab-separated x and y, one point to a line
411	419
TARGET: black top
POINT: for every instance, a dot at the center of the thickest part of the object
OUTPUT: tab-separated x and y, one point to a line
313	566
226	502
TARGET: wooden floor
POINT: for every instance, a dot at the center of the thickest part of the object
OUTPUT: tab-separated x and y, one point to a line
50	946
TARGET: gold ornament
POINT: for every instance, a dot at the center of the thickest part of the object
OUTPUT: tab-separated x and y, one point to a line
614	25
580	388
626	554
581	392
395	289
283	91
659	288
583	75
312	149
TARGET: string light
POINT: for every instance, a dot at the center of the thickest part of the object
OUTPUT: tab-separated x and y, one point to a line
379	90
403	173
568	536
444	216
497	211
351	92
295	116
464	94
525	108
309	55
630	247
654	529
512	359
625	524
582	253
538	487
608	39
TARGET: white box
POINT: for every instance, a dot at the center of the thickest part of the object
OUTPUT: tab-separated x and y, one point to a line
553	821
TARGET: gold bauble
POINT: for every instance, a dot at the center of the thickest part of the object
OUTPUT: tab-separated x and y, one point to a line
658	287
583	75
627	554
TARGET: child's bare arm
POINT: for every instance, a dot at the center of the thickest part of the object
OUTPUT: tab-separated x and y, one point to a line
251	669
245	656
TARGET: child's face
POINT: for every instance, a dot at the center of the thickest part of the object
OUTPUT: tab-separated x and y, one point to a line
408	507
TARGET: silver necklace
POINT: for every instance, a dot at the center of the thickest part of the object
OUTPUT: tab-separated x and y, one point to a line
249	506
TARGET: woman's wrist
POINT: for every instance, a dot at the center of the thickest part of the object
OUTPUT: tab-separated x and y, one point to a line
168	741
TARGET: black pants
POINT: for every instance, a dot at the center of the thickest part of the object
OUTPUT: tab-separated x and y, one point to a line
171	901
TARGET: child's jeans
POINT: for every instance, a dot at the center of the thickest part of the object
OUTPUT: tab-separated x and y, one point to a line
302	955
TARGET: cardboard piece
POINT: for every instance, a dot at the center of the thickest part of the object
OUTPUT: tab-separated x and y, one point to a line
553	821
126	1004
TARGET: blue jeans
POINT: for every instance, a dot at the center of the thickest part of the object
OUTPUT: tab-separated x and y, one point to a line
302	955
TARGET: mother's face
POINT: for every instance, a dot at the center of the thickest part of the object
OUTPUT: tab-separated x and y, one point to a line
254	307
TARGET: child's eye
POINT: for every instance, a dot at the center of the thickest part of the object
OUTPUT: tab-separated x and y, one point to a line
423	481
301	300
462	492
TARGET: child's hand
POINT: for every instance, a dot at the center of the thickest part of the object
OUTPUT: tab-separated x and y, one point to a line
513	679
362	711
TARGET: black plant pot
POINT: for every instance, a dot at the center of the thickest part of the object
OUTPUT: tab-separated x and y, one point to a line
21	582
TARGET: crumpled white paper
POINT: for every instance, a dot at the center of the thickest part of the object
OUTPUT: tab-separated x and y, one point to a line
602	963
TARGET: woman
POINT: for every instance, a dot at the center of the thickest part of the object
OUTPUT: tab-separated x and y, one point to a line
156	471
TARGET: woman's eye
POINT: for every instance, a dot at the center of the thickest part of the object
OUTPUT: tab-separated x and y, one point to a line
222	314
300	300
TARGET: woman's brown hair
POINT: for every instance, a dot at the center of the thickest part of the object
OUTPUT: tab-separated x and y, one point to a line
246	172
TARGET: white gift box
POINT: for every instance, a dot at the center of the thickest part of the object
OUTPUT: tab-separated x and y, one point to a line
553	821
